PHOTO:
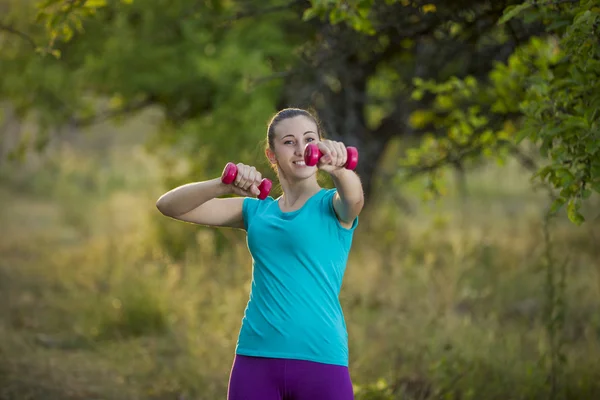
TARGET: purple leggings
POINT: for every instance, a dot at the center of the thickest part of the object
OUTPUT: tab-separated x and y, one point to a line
257	378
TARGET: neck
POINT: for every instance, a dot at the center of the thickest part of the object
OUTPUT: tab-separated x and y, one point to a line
294	191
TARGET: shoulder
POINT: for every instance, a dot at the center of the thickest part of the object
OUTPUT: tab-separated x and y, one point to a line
253	203
327	206
327	196
251	206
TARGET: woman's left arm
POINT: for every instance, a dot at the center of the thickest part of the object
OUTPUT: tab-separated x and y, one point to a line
349	199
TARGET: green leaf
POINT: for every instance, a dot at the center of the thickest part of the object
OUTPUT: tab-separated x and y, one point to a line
573	211
592	145
511	11
309	13
544	172
586	193
336	16
417	94
557	204
95	3
556	25
565	175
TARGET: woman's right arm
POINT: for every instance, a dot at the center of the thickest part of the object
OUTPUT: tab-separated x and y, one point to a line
198	202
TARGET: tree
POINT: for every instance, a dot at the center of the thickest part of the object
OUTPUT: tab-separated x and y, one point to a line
366	54
358	82
197	62
547	92
468	77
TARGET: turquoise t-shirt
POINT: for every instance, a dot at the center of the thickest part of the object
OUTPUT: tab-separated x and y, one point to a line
298	264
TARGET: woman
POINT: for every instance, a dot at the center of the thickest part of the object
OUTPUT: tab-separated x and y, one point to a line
293	342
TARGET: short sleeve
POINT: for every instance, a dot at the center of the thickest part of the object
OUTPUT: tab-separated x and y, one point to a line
249	207
327	204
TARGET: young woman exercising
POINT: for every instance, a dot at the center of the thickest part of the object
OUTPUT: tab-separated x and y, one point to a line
293	342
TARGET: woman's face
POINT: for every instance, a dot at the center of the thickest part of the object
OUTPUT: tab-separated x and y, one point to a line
291	137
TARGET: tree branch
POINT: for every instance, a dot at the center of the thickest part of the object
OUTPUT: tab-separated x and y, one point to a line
274	76
262	11
107	115
23	35
526	161
553	2
442	162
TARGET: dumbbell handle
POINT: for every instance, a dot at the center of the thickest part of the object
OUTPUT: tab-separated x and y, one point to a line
312	154
230	172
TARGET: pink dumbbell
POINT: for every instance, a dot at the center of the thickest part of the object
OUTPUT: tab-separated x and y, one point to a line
312	154
230	172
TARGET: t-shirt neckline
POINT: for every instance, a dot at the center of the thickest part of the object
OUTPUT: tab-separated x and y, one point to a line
292	213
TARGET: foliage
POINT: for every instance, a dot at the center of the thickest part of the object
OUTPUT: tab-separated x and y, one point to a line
562	101
239	61
552	85
354	13
197	63
548	92
62	19
368	53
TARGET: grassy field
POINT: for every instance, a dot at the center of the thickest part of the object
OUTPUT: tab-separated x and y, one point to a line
103	298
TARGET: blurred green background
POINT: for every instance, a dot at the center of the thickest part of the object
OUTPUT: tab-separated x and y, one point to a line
460	284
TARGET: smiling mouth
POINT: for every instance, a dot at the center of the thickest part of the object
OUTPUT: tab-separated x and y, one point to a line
299	163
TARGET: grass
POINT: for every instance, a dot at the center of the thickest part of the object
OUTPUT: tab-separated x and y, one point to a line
105	299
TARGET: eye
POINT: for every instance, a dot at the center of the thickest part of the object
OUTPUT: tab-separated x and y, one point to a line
288	142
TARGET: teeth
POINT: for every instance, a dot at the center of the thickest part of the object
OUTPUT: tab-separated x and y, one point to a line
299	162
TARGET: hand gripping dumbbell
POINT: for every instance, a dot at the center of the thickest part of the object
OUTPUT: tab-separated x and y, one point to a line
230	172
312	154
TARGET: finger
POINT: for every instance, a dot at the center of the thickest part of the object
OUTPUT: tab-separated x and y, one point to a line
243	192
240	170
325	148
249	181
254	190
325	158
257	182
242	176
251	178
239	176
257	178
333	153
342	154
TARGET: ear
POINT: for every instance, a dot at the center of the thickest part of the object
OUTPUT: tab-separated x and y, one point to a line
270	155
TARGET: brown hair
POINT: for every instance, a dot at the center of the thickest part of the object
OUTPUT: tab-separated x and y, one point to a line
285	114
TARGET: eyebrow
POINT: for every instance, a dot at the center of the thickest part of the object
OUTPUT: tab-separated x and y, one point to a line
303	134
